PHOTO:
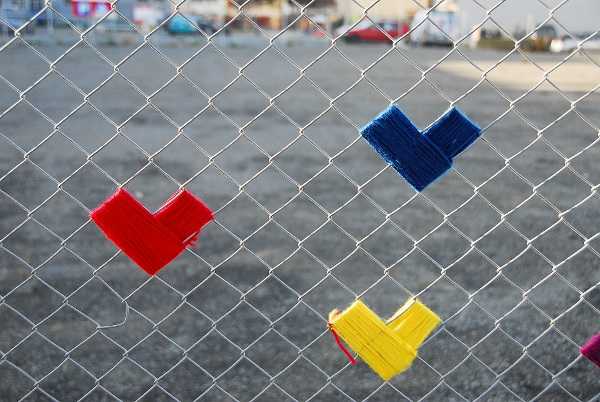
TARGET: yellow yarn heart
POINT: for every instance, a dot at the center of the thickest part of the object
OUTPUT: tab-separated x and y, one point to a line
389	347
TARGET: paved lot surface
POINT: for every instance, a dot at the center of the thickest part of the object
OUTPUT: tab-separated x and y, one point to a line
243	312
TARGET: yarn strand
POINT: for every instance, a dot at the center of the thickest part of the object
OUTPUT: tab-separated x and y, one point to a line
337	339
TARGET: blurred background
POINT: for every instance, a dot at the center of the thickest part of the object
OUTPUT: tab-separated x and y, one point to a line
449	20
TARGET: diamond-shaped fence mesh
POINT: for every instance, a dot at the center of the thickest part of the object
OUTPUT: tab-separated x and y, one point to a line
262	120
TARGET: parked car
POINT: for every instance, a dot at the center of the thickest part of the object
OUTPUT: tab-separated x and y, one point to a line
179	24
366	31
426	33
567	43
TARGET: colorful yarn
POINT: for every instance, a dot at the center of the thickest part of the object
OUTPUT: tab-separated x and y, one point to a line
413	322
453	132
151	240
389	347
420	157
591	349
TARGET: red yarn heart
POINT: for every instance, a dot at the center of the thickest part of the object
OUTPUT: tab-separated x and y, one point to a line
151	240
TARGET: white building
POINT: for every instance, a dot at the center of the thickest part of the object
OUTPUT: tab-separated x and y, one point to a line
212	9
399	10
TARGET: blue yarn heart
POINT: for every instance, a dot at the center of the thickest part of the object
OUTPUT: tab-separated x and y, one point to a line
420	157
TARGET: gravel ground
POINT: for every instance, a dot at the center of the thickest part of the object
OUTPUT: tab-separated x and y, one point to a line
230	320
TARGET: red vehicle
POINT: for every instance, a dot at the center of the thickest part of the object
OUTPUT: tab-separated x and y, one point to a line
366	31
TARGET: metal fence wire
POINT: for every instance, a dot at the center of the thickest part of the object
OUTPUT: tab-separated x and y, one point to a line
266	129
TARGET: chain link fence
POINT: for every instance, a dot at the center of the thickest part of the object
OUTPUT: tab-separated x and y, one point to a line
265	127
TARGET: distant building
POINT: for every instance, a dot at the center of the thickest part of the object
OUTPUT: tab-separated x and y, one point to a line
266	13
385	9
81	12
322	12
275	14
399	10
89	11
215	10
